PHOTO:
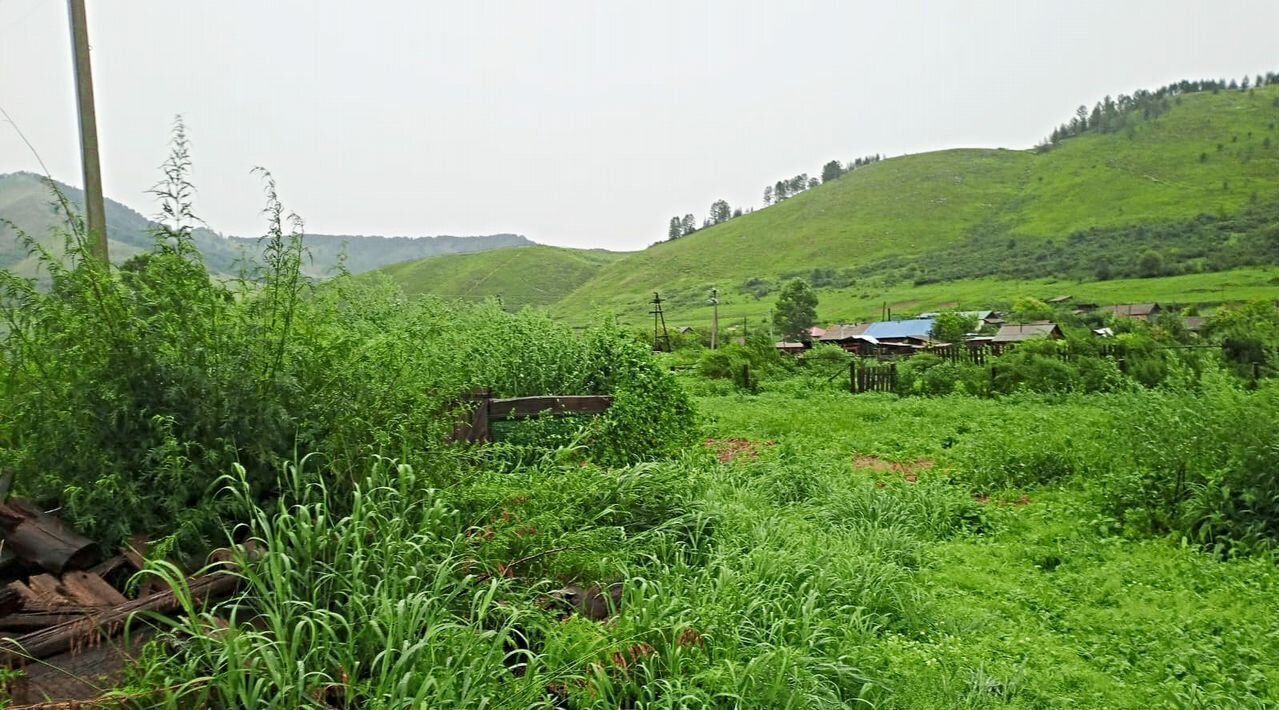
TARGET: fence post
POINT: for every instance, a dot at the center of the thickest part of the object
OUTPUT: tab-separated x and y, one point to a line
477	429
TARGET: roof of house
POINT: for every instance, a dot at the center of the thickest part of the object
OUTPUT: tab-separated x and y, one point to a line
1025	331
816	332
919	328
1059	299
1194	323
843	332
1132	310
783	345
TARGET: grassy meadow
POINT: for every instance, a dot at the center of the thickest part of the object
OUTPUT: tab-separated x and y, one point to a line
1039	601
814	549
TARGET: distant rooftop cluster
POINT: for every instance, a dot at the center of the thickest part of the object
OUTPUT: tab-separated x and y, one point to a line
904	337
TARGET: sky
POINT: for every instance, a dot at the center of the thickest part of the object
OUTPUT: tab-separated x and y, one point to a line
575	123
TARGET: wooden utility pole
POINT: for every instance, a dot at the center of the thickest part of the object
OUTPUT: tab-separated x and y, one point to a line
661	338
714	319
94	209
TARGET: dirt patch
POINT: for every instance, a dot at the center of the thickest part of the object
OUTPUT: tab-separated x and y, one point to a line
909	471
730	450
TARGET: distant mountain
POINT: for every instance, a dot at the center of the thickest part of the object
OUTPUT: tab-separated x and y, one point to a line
25	200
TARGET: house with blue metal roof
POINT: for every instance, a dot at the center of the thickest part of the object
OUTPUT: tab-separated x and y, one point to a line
900	331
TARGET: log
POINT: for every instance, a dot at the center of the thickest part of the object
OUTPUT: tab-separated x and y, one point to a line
37	620
43	539
105	623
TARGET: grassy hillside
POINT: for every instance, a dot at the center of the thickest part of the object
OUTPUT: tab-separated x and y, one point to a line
535	275
914	220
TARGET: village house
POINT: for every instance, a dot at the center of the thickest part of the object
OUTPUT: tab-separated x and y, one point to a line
848	337
1021	332
915	331
1139	311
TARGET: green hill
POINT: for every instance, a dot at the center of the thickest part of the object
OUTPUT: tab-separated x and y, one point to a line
534	275
26	202
1198	184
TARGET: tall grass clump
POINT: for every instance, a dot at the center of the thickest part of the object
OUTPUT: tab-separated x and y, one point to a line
1200	463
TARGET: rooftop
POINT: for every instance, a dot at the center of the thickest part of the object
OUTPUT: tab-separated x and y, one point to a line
914	328
1025	331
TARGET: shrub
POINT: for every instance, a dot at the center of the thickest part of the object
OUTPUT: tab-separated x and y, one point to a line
1029	451
929	375
1200	465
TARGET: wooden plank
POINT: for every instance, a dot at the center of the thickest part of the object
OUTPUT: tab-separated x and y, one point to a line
91	590
29	598
477	429
526	407
106	623
48	591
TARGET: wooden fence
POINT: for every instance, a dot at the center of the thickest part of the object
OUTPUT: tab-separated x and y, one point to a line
980	355
488	410
863	378
963	353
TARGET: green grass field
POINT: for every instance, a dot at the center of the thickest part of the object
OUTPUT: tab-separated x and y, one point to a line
1041	605
853	305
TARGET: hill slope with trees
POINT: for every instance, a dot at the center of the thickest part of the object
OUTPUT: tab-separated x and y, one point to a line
1189	186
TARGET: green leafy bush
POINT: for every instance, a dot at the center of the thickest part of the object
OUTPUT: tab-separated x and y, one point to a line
929	375
1200	464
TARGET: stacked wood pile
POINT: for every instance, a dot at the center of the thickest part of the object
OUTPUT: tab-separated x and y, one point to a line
64	610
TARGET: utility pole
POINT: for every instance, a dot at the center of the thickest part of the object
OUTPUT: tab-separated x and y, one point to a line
661	338
95	211
714	319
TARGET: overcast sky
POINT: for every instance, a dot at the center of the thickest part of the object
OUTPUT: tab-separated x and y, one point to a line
584	124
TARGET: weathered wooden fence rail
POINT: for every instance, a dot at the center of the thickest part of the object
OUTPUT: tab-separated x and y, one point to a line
487	410
962	353
863	378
